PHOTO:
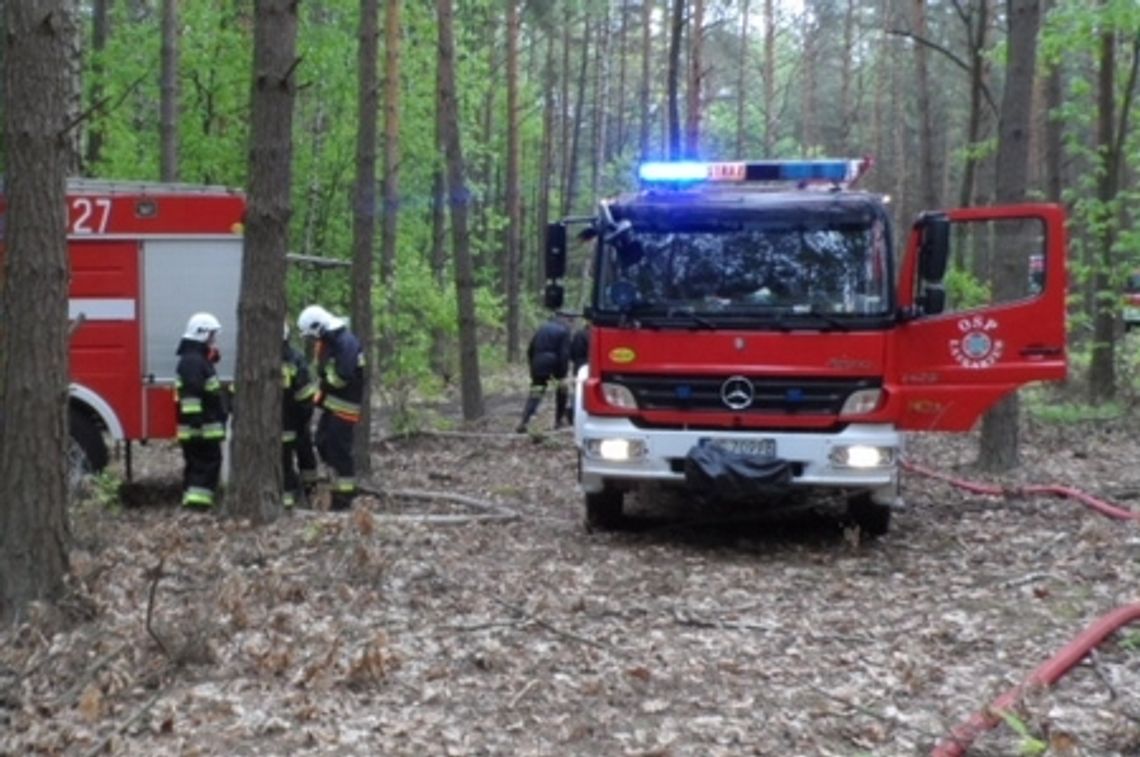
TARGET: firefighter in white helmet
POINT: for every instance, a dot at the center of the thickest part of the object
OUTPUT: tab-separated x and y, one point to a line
201	409
298	391
340	373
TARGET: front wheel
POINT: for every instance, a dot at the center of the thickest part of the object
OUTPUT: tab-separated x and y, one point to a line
603	509
87	452
872	518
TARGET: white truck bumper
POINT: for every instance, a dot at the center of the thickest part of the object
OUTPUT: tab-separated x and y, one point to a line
661	455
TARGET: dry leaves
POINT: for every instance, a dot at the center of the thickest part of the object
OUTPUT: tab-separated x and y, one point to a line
784	635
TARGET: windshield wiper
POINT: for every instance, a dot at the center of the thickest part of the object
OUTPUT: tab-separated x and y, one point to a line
686	311
793	314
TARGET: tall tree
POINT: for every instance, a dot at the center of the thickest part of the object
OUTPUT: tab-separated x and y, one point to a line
99	30
696	75
33	434
514	190
643	89
999	440
256	491
471	387
741	74
673	76
168	99
364	199
1110	136
769	77
927	175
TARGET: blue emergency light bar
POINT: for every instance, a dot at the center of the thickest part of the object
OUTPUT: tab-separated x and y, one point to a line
687	172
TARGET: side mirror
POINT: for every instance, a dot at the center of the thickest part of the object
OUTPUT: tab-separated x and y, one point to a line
934	250
552	297
555	251
932	300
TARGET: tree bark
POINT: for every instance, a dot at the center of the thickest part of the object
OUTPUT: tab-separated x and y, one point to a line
928	188
257	484
741	73
99	31
471	388
672	78
769	77
33	433
999	447
513	189
168	94
643	92
693	109
364	201
571	196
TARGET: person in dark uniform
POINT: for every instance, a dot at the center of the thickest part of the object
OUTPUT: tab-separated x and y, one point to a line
579	356
549	357
297	392
340	373
201	411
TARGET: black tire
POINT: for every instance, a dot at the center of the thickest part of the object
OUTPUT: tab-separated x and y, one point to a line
89	451
872	518
603	509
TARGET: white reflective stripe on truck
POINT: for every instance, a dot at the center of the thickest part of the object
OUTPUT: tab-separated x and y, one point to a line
101	309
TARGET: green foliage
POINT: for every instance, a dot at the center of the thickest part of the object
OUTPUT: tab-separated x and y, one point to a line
964	290
1030	744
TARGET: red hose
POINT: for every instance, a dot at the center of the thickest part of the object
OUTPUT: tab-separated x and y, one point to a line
1102	507
960	739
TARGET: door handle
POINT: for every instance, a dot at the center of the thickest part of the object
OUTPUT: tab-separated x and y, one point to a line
1041	350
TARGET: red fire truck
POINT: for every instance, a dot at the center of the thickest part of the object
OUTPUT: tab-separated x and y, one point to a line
144	257
753	334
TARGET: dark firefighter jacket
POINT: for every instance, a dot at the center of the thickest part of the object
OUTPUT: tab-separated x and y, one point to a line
297	392
549	349
198	395
579	348
340	371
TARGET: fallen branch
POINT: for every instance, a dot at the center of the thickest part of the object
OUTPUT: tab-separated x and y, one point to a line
156	575
135	716
487	511
66	698
531	617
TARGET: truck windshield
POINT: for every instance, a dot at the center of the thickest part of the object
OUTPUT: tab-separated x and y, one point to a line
735	269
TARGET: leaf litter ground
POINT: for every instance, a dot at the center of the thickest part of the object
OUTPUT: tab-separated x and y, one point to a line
696	631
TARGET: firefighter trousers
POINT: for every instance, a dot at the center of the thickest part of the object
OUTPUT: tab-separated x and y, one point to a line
334	445
306	455
538	382
203	467
293	493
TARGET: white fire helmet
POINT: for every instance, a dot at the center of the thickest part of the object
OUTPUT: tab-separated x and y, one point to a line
315	321
201	326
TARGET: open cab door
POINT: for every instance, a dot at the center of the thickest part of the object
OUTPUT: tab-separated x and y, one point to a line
956	353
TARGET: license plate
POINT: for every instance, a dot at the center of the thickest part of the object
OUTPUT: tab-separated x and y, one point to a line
749	447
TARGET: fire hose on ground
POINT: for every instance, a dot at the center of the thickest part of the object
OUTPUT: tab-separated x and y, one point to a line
1049	672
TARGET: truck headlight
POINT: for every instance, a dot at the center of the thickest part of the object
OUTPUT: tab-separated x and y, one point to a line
862	401
862	456
619	395
615	450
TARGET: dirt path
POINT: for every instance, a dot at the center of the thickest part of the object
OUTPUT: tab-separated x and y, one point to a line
367	635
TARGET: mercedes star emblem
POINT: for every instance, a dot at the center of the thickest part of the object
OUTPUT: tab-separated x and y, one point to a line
737	392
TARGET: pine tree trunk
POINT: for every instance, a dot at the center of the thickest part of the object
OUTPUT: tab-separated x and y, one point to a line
741	72
770	123
364	202
99	31
618	145
513	190
999	448
928	189
693	109
168	89
257	484
643	91
471	388
1102	368
571	196
33	433
672	78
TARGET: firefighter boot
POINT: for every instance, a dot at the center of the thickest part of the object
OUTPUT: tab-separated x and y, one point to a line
528	411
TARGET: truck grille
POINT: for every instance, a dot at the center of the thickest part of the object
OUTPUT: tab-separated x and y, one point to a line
769	395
